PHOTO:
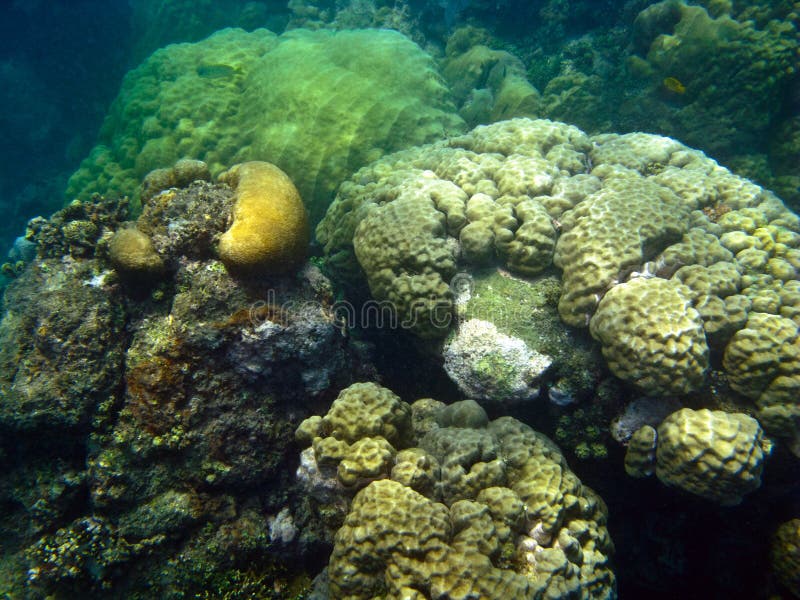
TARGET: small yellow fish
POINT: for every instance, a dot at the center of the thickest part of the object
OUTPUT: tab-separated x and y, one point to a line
674	85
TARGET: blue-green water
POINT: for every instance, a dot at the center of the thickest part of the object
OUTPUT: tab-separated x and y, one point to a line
624	232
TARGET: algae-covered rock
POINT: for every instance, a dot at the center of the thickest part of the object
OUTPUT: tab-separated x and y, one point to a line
713	454
317	104
61	346
491	366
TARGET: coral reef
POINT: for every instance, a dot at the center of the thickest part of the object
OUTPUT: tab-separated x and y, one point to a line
495	496
763	363
713	76
133	255
318	104
640	225
701	51
713	454
651	336
488	85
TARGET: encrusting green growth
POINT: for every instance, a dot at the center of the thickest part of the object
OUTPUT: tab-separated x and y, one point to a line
713	454
470	509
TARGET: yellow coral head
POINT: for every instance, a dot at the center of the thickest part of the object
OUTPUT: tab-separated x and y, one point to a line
133	255
270	231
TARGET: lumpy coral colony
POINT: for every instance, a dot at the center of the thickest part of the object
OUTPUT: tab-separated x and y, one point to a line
660	283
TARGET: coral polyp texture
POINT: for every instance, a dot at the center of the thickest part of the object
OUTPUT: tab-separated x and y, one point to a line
318	104
663	253
713	454
469	509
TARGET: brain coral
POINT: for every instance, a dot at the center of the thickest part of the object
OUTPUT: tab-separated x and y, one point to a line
482	510
317	104
530	195
270	231
714	454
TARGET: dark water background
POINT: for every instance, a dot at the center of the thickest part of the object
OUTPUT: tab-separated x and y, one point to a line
61	64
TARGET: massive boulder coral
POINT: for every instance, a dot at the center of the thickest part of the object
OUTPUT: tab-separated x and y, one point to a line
269	233
317	104
494	496
763	364
714	454
359	436
412	217
531	195
652	336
